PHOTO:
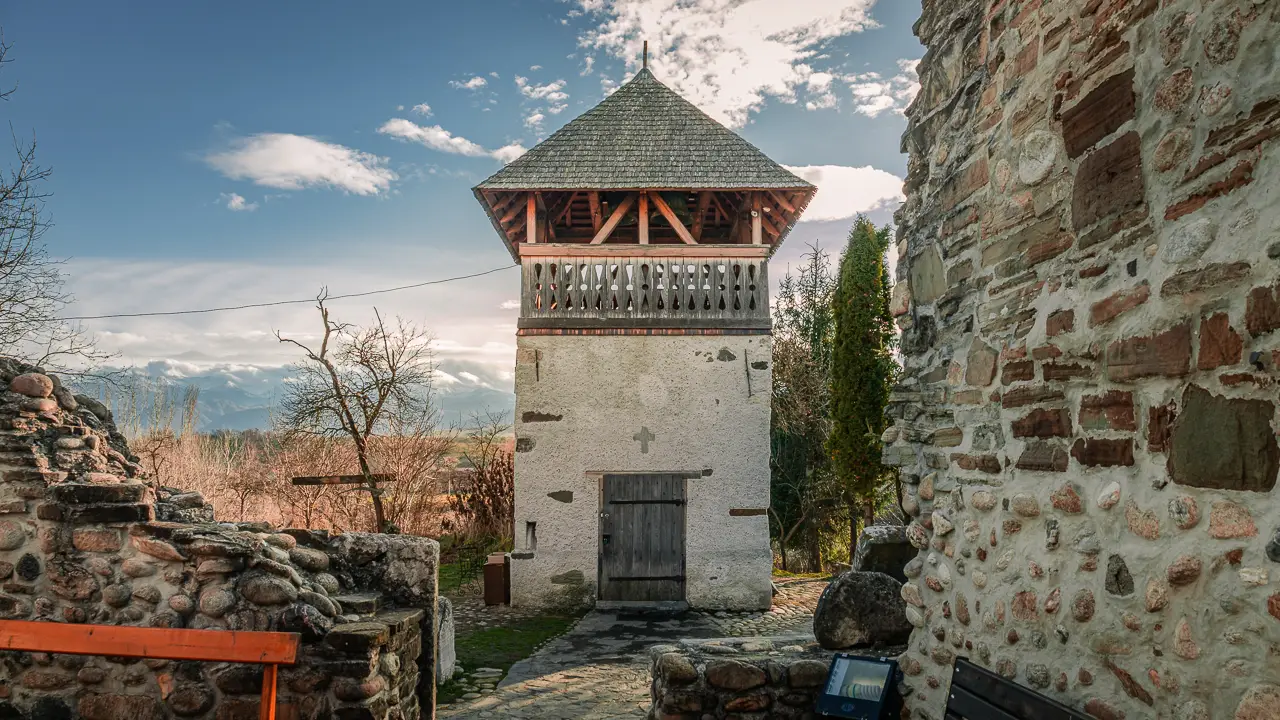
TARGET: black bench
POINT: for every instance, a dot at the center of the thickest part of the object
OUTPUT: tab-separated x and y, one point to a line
979	694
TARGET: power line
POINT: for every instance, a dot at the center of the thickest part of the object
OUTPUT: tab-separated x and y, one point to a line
290	302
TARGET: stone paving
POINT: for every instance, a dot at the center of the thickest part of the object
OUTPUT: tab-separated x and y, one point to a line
599	670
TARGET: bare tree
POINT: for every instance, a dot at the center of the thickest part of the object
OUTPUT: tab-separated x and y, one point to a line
293	455
31	283
416	454
359	382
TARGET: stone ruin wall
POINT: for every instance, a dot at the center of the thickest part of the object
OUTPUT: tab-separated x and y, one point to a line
85	538
1090	312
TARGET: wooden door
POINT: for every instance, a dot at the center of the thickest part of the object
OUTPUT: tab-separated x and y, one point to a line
642	537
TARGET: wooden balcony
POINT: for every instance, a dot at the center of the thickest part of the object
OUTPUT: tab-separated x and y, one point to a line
583	290
742	217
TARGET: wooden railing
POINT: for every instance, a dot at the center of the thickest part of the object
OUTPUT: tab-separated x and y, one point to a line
270	649
644	291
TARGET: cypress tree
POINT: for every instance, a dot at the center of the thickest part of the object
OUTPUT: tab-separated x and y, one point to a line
862	371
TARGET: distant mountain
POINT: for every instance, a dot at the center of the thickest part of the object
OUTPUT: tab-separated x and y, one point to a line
241	397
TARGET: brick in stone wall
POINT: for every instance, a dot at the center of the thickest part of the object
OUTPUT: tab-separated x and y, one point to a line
1109	182
1167	353
1103	111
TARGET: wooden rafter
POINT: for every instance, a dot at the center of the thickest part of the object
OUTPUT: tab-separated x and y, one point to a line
778	198
715	199
614	218
772	224
512	210
546	212
562	211
503	202
531	218
670	215
699	215
643	216
757	220
597	218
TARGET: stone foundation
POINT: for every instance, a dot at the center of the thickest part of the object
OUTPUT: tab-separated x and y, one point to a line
1089	302
737	679
80	543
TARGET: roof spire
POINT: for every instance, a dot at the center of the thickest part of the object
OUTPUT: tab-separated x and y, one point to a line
645	59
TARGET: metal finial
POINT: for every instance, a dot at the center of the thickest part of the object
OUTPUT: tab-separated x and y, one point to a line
646	54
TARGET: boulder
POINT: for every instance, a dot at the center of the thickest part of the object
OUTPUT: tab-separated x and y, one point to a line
884	549
859	609
32	385
446	651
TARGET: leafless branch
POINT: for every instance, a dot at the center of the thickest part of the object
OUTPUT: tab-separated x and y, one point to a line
31	282
361	383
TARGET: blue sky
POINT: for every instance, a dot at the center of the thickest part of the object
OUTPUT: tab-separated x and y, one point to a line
210	154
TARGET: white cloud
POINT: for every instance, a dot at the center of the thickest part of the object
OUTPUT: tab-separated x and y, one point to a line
474	83
422	109
399	108
588	65
725	57
821	97
534	120
236	202
510	152
494	75
433	136
552	92
535	68
437	138
510	305
846	191
294	162
873	94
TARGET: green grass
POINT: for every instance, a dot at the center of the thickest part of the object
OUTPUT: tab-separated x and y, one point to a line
451	577
502	647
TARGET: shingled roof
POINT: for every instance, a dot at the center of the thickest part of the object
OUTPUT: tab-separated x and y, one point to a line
644	135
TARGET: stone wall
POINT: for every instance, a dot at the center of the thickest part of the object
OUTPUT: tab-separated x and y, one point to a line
740	679
581	401
1089	302
79	543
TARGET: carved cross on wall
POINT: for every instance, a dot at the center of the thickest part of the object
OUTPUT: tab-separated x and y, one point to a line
644	436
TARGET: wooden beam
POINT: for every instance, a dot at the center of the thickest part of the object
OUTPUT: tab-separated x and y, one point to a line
699	215
772	225
643	214
720	208
542	250
531	218
670	215
614	218
512	210
267	708
342	479
562	212
504	203
155	643
738	229
546	213
596	217
778	198
757	228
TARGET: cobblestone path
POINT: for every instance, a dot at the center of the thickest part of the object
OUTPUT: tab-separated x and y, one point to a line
599	670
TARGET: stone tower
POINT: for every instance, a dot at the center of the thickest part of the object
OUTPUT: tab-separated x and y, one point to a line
643	370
